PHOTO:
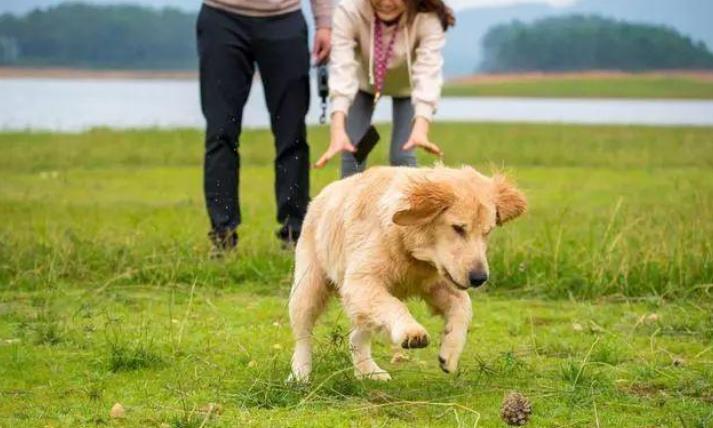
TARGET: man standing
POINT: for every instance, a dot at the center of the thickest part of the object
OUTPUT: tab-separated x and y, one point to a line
233	37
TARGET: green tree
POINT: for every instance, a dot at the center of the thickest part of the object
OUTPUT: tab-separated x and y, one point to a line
9	50
579	42
84	35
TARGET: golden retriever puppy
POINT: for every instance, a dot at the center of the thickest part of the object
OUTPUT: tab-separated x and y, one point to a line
390	233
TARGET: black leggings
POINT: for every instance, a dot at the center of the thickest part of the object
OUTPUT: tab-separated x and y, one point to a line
229	47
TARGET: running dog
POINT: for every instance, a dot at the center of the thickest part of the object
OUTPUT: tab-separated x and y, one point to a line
390	233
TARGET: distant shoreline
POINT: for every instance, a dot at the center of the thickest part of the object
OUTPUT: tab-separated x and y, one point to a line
670	84
73	73
589	74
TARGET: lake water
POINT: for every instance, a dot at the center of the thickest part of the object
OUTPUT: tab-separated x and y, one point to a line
75	105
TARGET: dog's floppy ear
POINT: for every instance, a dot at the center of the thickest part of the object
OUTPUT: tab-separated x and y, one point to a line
510	202
424	201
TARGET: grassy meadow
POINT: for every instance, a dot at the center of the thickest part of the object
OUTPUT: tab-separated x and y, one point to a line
600	306
587	85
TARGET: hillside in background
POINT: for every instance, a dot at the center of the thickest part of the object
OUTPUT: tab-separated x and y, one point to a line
463	51
81	35
579	43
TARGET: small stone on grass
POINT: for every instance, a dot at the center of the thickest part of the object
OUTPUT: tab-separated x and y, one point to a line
117	411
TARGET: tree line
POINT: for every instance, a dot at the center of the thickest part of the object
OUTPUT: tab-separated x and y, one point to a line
578	42
136	37
82	35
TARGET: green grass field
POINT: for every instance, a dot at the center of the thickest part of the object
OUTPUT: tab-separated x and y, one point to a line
587	86
600	307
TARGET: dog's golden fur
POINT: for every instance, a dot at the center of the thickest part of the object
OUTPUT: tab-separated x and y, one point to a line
387	234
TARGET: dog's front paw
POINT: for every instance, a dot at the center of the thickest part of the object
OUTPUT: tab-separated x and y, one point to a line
448	358
297	379
412	337
381	375
300	375
448	365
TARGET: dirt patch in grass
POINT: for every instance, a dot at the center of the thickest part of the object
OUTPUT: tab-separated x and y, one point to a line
642	389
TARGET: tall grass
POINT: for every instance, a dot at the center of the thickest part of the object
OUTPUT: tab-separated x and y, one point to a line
615	211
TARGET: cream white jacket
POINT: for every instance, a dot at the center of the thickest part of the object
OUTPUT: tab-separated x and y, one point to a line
414	69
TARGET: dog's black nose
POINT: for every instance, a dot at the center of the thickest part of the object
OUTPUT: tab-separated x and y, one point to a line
477	278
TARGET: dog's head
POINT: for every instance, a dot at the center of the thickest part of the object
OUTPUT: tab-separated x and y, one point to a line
448	216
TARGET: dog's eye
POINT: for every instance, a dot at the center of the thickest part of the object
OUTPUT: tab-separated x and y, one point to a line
460	230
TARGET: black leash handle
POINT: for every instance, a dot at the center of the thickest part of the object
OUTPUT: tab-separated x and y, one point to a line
323	90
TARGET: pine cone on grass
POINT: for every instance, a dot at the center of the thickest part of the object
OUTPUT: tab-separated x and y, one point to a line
516	409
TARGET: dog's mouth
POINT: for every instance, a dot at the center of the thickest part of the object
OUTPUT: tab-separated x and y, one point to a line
456	283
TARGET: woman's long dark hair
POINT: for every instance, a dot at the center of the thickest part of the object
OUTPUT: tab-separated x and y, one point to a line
444	13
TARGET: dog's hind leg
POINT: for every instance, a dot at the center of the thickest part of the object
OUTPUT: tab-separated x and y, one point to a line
364	364
308	298
455	308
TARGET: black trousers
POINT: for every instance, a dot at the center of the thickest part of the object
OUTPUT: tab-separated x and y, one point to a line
229	47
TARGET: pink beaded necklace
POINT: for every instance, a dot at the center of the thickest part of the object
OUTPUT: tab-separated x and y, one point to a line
381	55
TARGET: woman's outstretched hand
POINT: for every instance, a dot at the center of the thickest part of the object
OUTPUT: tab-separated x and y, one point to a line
419	138
338	141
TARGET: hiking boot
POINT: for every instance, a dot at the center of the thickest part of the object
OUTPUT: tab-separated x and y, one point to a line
223	242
